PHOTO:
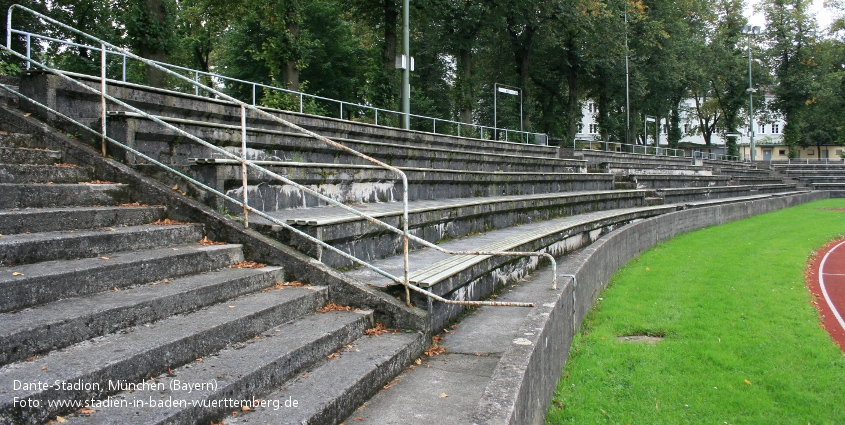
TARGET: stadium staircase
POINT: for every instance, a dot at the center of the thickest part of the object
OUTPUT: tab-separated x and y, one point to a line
117	271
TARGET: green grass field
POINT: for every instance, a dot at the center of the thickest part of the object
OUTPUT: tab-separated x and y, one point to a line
742	342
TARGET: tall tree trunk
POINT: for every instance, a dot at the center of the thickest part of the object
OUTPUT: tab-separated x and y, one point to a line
467	98
388	53
157	14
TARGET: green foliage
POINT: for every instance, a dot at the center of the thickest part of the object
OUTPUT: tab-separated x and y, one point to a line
742	340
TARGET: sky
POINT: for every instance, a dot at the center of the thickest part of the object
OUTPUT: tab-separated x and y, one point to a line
823	15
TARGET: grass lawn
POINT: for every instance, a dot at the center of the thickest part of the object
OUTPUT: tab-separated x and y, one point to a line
742	342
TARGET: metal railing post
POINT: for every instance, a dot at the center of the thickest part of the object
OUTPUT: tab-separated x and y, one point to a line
28	56
301	109
124	68
196	86
103	95
243	166
253	94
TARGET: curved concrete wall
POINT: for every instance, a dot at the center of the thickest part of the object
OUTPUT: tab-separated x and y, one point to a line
525	379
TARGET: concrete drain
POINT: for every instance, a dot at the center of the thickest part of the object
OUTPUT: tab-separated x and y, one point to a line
640	338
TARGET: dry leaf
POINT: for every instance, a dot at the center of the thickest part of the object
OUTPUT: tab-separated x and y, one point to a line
435	350
294	284
333	355
205	241
747	382
26	115
377	330
246	265
31	359
244	409
443	395
115	289
98	182
418	361
334	307
17	274
104	258
43	367
167	222
60	419
86	411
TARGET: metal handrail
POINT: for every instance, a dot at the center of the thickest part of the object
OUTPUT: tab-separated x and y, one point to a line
715	156
493	132
629	148
246	163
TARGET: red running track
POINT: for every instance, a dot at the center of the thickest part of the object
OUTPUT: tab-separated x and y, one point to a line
826	280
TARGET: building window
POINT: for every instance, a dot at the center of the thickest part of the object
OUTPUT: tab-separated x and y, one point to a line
686	128
782	152
811	151
762	128
665	129
839	152
592	107
594	129
775	128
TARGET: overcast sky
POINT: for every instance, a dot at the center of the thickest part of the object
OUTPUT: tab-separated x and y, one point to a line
823	15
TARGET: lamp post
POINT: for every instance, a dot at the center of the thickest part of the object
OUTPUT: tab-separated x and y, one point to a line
749	31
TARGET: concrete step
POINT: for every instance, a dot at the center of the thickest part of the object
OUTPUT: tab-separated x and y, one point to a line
59	219
59	324
139	353
434	221
29	156
473	277
276	145
366	184
34	195
17	140
249	371
330	393
33	284
25	173
677	195
660	181
68	245
79	104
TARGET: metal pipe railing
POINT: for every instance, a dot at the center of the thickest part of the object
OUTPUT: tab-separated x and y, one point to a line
628	148
492	132
246	163
715	156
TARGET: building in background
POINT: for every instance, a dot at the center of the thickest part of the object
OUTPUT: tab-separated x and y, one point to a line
768	135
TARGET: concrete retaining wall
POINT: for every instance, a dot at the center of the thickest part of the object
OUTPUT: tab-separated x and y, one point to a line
526	377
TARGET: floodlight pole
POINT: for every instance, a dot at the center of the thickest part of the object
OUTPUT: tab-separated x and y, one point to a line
627	86
749	31
406	72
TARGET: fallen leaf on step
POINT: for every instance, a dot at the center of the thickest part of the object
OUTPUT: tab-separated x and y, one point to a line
418	361
26	115
443	395
86	411
43	367
115	289
245	409
60	419
17	274
333	356
205	241
246	265
104	258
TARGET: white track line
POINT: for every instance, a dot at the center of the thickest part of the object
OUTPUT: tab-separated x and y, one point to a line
824	290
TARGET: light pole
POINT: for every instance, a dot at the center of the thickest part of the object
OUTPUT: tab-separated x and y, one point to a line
749	31
627	85
406	71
